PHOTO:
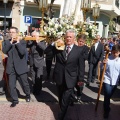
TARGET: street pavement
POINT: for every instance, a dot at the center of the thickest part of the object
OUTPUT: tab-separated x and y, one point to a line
45	106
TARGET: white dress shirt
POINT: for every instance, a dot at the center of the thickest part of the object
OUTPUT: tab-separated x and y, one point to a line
112	73
70	46
96	45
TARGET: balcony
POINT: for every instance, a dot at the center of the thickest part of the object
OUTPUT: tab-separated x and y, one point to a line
31	2
109	7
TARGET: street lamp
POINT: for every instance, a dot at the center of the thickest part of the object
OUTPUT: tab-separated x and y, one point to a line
85	6
5	2
43	5
96	12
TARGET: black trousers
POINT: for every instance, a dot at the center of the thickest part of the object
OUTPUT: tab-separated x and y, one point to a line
36	78
12	84
48	67
64	95
92	72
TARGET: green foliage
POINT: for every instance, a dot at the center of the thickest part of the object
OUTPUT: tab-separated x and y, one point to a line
112	26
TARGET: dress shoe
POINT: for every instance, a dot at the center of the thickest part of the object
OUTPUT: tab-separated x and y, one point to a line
14	104
2	93
88	84
27	99
92	81
106	114
79	98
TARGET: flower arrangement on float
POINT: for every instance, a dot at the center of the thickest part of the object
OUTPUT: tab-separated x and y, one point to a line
56	28
89	29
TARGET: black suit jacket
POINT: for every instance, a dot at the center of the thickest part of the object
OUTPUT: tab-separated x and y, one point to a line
96	56
36	53
16	56
68	70
85	53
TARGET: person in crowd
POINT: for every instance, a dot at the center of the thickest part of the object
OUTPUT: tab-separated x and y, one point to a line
95	57
85	52
1	36
111	43
111	77
103	41
15	48
68	69
36	61
115	41
25	34
49	59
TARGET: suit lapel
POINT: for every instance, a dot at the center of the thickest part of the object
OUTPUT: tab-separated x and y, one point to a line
64	53
93	48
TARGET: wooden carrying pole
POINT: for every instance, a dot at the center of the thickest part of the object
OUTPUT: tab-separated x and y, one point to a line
41	38
4	60
99	71
101	81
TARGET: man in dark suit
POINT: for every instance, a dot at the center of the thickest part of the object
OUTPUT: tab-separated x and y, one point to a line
36	62
16	64
96	55
85	51
68	69
49	59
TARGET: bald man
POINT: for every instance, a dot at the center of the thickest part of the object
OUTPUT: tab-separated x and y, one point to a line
36	62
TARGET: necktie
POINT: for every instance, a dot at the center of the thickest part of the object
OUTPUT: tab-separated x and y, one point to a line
68	50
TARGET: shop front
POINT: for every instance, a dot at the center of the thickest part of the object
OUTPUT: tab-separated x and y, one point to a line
8	15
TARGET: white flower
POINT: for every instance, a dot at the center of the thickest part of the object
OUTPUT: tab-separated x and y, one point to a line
71	27
67	26
50	23
90	27
56	25
86	33
45	33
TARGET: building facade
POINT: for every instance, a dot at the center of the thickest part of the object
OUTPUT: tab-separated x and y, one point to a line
109	9
16	10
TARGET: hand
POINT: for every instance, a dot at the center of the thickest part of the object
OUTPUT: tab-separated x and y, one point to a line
60	42
80	84
37	39
13	40
105	61
18	39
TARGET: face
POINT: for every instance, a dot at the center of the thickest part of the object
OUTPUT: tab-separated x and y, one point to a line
103	41
115	53
13	33
98	36
115	42
111	40
69	38
81	42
